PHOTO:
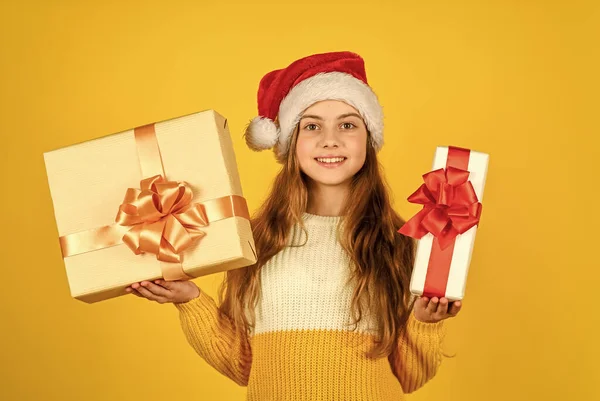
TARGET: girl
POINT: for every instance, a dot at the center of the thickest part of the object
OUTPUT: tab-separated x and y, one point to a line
326	311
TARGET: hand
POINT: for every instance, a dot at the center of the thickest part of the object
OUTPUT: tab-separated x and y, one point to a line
162	291
432	311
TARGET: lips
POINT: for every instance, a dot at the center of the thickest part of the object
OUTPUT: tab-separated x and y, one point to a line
331	164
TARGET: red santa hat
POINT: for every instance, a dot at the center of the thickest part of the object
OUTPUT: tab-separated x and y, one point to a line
284	95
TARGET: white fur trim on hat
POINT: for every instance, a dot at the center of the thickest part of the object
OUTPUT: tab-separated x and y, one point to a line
261	134
329	86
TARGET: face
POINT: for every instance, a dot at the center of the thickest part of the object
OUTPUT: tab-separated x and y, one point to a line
331	144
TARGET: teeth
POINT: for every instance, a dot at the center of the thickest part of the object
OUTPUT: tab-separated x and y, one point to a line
331	159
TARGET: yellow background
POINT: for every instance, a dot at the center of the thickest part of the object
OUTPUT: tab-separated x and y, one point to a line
516	79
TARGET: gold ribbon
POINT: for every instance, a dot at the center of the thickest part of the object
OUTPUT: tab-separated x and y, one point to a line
161	218
157	218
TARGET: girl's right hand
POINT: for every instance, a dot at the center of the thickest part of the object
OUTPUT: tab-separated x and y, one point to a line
162	291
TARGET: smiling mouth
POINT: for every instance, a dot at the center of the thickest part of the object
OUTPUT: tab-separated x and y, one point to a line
330	161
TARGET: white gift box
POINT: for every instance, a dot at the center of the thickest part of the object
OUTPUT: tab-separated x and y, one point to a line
443	273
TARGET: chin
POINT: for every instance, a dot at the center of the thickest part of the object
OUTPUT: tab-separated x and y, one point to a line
320	179
330	183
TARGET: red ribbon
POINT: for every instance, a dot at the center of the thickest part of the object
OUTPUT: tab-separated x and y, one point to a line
450	208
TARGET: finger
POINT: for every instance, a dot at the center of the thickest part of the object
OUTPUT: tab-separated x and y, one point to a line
156	289
421	303
135	287
455	308
433	304
165	284
442	307
160	282
146	293
132	291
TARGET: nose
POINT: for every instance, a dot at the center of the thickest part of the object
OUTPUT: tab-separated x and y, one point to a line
329	138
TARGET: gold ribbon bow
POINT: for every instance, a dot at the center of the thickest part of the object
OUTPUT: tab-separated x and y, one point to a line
161	219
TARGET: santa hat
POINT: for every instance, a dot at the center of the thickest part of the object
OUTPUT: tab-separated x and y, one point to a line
284	95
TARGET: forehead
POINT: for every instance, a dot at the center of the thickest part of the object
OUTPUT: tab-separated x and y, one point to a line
330	107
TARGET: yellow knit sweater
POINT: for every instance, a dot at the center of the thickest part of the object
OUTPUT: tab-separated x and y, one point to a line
304	346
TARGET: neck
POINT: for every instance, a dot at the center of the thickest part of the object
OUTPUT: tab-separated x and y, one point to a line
326	200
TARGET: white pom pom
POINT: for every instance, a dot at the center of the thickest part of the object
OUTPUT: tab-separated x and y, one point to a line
261	134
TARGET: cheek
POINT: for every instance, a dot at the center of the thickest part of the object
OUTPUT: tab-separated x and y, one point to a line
357	162
358	148
303	151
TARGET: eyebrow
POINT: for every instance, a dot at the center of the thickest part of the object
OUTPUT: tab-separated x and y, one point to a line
339	117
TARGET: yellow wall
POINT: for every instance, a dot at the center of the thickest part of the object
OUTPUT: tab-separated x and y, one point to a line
516	79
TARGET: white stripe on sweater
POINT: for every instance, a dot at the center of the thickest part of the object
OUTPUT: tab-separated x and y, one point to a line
304	288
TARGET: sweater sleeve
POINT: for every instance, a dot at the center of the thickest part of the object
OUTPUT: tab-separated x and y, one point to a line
215	339
419	353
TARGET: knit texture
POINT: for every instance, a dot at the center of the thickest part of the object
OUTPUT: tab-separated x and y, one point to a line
304	345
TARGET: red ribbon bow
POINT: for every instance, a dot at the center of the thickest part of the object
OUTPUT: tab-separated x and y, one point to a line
450	206
161	219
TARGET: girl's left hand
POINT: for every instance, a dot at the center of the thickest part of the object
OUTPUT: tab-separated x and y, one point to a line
434	310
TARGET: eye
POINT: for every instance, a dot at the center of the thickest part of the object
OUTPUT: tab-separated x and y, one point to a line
310	127
348	125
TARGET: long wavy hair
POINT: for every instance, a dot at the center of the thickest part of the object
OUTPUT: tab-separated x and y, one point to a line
381	258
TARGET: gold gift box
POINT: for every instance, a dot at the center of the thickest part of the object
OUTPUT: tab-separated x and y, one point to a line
88	182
